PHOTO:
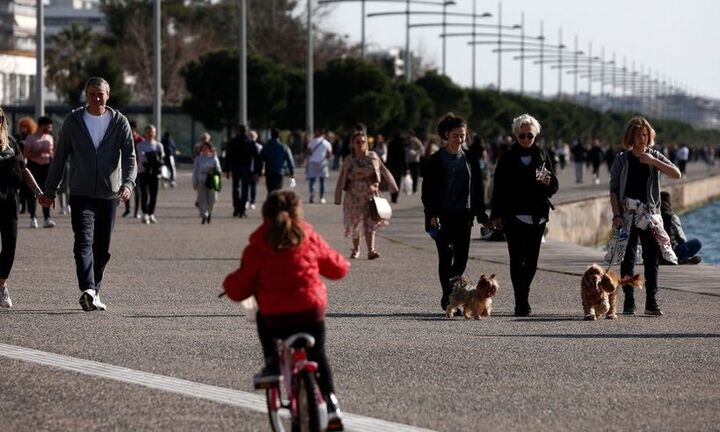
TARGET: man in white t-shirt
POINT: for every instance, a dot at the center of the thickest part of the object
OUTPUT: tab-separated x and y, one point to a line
683	154
319	152
103	171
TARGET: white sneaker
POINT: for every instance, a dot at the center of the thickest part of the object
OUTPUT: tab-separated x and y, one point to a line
145	219
5	298
33	223
252	206
138	216
49	223
322	201
90	301
152	219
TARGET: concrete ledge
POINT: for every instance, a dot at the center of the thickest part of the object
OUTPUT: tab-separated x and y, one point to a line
587	221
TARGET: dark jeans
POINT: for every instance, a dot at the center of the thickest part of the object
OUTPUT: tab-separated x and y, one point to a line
414	168
136	198
40	173
688	249
148	187
241	179
93	220
523	242
269	335
650	251
453	246
273	182
8	232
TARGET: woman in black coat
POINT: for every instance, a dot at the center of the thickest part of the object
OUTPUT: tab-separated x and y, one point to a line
521	205
452	194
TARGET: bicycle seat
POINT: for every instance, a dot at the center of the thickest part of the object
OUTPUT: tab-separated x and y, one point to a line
300	340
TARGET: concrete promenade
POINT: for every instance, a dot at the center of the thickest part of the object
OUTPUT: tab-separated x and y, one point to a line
170	355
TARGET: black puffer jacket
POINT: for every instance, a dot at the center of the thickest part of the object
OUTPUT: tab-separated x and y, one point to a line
516	192
11	165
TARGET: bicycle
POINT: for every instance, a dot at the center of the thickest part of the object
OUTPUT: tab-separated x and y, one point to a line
297	390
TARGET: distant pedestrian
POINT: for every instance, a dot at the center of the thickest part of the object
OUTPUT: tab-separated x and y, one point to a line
255	138
25	127
137	138
596	156
240	157
293	299
151	156
414	153
360	178
12	173
452	196
205	164
521	205
103	170
380	147
319	153
169	148
397	161
579	155
39	150
683	155
686	250
276	160
635	184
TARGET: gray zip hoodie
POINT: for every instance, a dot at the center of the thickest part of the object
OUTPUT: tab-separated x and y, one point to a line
94	173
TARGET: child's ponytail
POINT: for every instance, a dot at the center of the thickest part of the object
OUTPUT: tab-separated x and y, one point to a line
282	210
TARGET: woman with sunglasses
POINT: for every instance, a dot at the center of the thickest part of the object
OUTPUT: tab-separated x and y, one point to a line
521	204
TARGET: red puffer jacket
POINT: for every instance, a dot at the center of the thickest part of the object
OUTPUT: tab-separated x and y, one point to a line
286	281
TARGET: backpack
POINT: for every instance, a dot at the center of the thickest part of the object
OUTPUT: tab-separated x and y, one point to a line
153	163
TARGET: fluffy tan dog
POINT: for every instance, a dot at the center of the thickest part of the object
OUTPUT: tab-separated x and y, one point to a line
599	289
477	302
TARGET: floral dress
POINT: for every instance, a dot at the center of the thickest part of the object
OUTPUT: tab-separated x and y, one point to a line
362	184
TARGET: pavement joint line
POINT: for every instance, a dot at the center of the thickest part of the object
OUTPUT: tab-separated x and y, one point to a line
238	398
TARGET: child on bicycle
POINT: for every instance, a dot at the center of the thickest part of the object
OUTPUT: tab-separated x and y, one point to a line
281	267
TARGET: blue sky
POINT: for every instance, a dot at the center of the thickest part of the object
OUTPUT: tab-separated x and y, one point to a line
677	40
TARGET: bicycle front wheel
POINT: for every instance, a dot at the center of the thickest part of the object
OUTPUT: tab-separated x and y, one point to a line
309	417
274	403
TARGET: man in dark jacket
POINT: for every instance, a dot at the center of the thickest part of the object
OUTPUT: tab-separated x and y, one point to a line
277	160
239	159
103	170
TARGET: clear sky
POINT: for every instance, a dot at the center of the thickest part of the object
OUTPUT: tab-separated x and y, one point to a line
679	40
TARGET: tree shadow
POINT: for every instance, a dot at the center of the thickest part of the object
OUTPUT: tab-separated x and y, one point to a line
46	311
187	316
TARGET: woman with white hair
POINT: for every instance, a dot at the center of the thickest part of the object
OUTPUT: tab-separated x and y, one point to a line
521	205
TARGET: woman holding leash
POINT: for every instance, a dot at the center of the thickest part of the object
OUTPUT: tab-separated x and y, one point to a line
452	194
635	197
360	179
524	184
292	300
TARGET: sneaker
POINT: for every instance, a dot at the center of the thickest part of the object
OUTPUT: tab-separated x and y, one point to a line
323	201
312	199
33	223
5	301
354	254
266	378
49	223
334	413
208	218
125	214
373	254
252	206
137	216
145	219
152	219
90	301
697	259
656	311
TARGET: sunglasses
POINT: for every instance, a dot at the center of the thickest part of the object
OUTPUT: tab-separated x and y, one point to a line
528	136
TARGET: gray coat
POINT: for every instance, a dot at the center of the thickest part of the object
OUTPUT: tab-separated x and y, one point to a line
94	173
619	176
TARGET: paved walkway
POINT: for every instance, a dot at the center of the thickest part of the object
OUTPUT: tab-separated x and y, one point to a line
396	359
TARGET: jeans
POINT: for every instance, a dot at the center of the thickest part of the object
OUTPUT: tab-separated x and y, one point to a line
688	249
241	179
148	186
312	187
453	246
523	242
92	220
650	251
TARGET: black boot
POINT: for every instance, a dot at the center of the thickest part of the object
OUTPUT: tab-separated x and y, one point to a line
629	302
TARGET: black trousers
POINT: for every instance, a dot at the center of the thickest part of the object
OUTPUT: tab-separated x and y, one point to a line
273	182
650	251
414	168
270	334
92	220
8	232
241	179
40	173
453	246
148	186
523	242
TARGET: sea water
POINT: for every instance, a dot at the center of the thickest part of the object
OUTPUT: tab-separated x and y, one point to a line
704	223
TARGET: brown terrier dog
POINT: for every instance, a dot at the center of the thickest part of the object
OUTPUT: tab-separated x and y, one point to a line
599	290
476	303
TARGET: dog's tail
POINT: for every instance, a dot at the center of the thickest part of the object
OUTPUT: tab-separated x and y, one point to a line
633	281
